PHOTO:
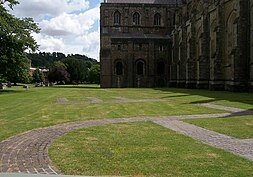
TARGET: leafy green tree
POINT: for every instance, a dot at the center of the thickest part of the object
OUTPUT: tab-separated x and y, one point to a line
58	73
77	69
94	74
15	39
38	76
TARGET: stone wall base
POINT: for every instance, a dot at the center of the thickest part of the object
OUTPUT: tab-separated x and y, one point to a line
173	83
234	86
181	84
216	85
190	84
251	86
202	85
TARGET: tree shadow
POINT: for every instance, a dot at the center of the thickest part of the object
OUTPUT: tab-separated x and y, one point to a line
242	113
77	86
2	92
211	96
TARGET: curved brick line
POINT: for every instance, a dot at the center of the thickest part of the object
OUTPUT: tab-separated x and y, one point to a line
28	152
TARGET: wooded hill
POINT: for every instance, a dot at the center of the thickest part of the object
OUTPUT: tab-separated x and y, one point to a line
70	69
45	60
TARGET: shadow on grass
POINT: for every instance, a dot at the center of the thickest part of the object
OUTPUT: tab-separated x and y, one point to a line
77	86
10	91
212	96
242	113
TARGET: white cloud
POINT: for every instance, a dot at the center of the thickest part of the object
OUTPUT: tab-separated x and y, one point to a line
91	44
43	8
67	26
49	43
77	5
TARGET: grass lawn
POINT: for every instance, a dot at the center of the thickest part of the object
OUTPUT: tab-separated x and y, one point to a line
142	149
239	127
21	110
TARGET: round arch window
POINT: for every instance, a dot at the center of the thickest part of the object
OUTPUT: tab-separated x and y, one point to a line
119	68
140	68
160	68
117	18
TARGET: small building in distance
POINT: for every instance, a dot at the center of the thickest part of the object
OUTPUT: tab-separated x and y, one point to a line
182	43
44	71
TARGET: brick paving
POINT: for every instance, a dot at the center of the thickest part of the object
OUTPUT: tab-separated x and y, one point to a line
239	147
94	100
224	108
28	152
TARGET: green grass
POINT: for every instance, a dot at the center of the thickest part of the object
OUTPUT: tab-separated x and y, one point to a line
239	127
142	149
21	110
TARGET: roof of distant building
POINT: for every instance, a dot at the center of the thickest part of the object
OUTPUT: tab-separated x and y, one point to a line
145	1
41	70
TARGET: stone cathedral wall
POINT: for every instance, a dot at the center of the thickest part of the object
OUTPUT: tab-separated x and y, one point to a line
205	44
251	45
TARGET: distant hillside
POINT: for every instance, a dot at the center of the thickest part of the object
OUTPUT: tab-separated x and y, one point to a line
44	60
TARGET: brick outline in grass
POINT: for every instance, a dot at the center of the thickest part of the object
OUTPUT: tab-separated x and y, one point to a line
28	152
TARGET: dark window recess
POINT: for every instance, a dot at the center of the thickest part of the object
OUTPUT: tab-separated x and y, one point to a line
161	48
157	19
117	18
119	68
136	18
160	68
140	68
119	47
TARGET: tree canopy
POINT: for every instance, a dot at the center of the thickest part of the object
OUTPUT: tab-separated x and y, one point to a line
58	73
77	69
15	39
81	68
38	76
94	74
46	59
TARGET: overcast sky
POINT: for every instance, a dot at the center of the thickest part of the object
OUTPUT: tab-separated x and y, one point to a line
68	26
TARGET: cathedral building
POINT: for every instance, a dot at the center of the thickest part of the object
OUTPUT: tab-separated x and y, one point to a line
180	43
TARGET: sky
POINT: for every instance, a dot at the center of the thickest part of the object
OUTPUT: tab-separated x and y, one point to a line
67	26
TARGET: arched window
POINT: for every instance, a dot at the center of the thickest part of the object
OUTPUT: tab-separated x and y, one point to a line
119	68
157	19
160	68
140	68
117	18
231	36
198	43
136	18
213	35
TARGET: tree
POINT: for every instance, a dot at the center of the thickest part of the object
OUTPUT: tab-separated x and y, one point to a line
94	74
58	73
15	39
38	76
77	69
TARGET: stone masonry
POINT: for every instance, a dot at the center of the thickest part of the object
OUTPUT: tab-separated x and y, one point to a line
183	43
251	48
